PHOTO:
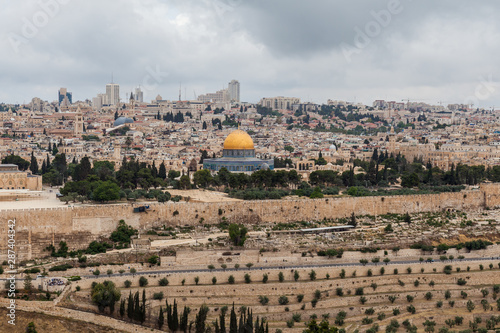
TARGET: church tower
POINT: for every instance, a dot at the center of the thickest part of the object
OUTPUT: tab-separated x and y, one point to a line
132	101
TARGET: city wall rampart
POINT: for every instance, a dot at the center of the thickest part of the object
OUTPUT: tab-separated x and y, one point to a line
78	226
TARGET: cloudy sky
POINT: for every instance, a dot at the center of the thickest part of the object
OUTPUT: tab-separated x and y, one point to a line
432	51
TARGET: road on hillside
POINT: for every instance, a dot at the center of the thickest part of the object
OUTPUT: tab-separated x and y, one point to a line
291	267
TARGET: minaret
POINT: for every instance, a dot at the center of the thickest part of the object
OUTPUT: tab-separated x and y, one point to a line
117	152
78	124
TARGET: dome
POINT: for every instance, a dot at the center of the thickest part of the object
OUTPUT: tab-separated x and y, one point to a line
333	147
239	140
122	120
265	166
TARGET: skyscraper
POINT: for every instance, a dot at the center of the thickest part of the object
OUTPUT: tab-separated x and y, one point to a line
139	95
65	98
112	93
234	91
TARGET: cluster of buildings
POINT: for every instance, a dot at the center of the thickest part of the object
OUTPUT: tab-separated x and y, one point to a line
297	131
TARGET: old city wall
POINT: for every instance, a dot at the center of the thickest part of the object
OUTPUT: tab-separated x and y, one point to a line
78	226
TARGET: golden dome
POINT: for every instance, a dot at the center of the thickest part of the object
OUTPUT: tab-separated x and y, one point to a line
238	140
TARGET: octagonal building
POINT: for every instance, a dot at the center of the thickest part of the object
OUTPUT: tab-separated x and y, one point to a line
238	156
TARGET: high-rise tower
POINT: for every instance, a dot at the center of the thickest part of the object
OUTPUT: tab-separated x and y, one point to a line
234	91
112	94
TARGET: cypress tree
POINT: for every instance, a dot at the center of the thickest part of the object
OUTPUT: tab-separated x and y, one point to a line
33	164
122	308
183	326
216	326
137	307
222	319
241	324
162	172
154	170
143	307
201	318
233	323
169	315
130	307
175	317
44	167
160	319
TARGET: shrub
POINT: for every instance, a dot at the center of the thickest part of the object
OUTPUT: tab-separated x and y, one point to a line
369	311
416	283
409	298
158	296
300	297
230	279
392	298
461	282
470	306
263	300
96	272
339	292
396	311
312	275
283	300
359	291
265	278
411	309
296	317
143	281
281	277
163	282
127	283
428	296
133	270
214	280
369	272
366	321
314	301
362	299
317	294
248	279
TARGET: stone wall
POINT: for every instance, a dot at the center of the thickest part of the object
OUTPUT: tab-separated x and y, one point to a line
78	226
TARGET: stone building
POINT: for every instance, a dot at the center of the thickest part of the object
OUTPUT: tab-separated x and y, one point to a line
13	179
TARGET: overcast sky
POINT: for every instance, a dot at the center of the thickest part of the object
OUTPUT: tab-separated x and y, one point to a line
433	51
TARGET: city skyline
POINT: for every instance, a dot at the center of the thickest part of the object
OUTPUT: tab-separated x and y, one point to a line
359	51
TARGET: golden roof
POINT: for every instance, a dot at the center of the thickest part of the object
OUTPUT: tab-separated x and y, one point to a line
239	140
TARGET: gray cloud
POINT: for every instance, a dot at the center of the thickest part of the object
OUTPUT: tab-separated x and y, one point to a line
436	51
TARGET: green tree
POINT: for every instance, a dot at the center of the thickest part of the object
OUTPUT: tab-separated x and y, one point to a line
323	327
202	178
105	295
237	234
17	160
31	328
33	164
184	183
161	318
106	191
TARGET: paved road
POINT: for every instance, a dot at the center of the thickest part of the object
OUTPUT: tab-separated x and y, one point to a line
292	267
